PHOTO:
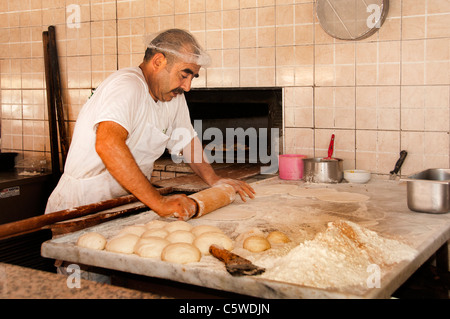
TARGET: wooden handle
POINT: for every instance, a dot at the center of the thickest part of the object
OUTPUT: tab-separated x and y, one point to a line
56	82
399	163
52	125
36	223
223	255
90	220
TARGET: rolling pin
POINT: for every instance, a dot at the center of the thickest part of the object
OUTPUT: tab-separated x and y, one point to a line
213	198
36	223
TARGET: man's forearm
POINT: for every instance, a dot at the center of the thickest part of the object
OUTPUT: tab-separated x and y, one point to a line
119	161
194	156
205	171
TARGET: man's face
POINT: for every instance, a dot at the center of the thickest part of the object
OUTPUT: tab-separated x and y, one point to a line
175	79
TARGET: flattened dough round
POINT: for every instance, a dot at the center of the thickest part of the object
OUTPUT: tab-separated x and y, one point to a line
268	190
200	229
151	247
278	237
181	236
181	253
178	225
256	244
155	232
92	240
207	239
311	192
343	197
123	244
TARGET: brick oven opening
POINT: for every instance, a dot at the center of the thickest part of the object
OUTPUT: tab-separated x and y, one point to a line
245	117
236	125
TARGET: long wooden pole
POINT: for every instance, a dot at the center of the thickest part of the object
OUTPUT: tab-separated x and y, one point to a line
36	223
56	170
56	81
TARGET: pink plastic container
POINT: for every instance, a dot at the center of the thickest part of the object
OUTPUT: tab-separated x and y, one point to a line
290	166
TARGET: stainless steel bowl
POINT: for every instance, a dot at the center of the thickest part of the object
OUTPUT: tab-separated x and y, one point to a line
429	191
320	170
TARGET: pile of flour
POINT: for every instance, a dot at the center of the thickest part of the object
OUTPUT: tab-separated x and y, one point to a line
338	257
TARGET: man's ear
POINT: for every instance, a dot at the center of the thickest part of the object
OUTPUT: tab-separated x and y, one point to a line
159	61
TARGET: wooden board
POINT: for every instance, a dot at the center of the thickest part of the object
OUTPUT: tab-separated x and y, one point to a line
193	183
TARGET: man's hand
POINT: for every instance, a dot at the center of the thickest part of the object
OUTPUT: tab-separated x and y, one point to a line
193	154
241	187
178	206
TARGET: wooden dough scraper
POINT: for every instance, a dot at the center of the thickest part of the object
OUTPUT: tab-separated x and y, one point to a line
235	265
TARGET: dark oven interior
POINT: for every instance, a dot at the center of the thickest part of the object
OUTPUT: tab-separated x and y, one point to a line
237	124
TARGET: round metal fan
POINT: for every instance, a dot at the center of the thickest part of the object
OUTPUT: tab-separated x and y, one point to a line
351	19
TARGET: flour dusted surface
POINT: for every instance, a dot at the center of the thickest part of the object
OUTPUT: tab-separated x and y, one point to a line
337	258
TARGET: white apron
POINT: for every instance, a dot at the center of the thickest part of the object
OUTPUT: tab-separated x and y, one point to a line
72	192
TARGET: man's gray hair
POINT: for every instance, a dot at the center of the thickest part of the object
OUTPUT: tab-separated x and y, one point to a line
176	43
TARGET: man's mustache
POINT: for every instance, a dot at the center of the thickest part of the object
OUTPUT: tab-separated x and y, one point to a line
178	91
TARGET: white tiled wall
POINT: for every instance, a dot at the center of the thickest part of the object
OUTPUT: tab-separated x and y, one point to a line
379	95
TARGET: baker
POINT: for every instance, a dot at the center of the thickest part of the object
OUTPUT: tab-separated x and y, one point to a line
128	122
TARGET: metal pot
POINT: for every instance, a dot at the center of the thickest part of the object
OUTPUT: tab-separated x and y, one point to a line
320	170
429	191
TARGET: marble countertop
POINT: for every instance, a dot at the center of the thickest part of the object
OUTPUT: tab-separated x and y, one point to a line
18	282
385	213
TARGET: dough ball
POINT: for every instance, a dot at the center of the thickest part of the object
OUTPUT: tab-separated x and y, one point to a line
277	237
181	253
123	244
144	241
252	232
156	232
198	230
256	244
205	240
150	247
156	224
137	230
92	240
178	225
181	236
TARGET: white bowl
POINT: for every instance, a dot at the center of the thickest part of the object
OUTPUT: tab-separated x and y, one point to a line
357	176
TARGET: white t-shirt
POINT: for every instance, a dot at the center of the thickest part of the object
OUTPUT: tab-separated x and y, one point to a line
152	127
